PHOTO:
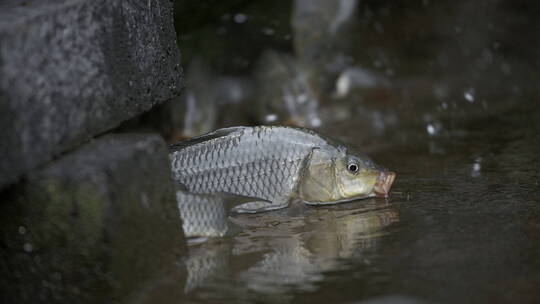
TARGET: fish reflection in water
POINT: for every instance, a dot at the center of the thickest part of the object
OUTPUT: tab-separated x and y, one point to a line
203	264
291	248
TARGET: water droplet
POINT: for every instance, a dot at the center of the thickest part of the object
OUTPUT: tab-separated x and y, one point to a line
434	128
240	18
430	129
343	85
469	95
22	230
271	117
316	122
476	167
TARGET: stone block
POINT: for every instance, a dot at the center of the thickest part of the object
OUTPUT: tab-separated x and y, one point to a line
71	69
99	225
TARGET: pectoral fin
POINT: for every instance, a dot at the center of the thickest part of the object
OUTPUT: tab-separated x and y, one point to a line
233	201
258	206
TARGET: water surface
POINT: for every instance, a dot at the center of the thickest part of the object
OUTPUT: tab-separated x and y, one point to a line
461	226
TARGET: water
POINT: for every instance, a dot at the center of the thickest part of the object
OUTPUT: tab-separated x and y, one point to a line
452	109
460	227
435	91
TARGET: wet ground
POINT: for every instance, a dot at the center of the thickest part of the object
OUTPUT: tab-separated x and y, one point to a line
462	226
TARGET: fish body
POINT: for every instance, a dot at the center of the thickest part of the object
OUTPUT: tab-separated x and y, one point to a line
202	215
275	165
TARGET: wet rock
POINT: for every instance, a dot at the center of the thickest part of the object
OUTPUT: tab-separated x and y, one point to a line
99	225
72	69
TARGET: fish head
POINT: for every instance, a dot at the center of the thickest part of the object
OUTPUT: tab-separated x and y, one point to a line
332	177
359	177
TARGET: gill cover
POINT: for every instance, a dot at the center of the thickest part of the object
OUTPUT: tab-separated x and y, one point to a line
318	183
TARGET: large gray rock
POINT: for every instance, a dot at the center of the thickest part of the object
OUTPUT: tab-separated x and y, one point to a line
72	69
99	225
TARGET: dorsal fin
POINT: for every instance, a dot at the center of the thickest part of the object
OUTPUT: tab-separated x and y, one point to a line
205	137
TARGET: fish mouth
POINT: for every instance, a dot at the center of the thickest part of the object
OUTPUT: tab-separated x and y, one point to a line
384	183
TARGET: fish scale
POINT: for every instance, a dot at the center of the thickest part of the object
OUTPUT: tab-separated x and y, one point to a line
259	162
202	215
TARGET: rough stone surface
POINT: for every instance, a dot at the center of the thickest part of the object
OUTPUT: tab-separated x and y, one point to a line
99	225
71	69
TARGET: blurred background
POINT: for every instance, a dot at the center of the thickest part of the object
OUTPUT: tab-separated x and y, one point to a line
397	69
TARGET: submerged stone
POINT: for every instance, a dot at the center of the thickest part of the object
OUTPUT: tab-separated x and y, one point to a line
98	225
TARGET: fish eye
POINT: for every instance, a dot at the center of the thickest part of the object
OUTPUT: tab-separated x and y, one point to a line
353	168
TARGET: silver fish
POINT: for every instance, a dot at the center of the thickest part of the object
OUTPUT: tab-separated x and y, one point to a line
276	165
206	215
202	215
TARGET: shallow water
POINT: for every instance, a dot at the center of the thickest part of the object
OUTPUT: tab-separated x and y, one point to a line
461	226
456	119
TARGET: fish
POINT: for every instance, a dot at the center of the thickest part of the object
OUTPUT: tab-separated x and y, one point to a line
276	165
205	215
202	215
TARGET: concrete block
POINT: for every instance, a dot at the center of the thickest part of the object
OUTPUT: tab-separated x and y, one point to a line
71	69
97	226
